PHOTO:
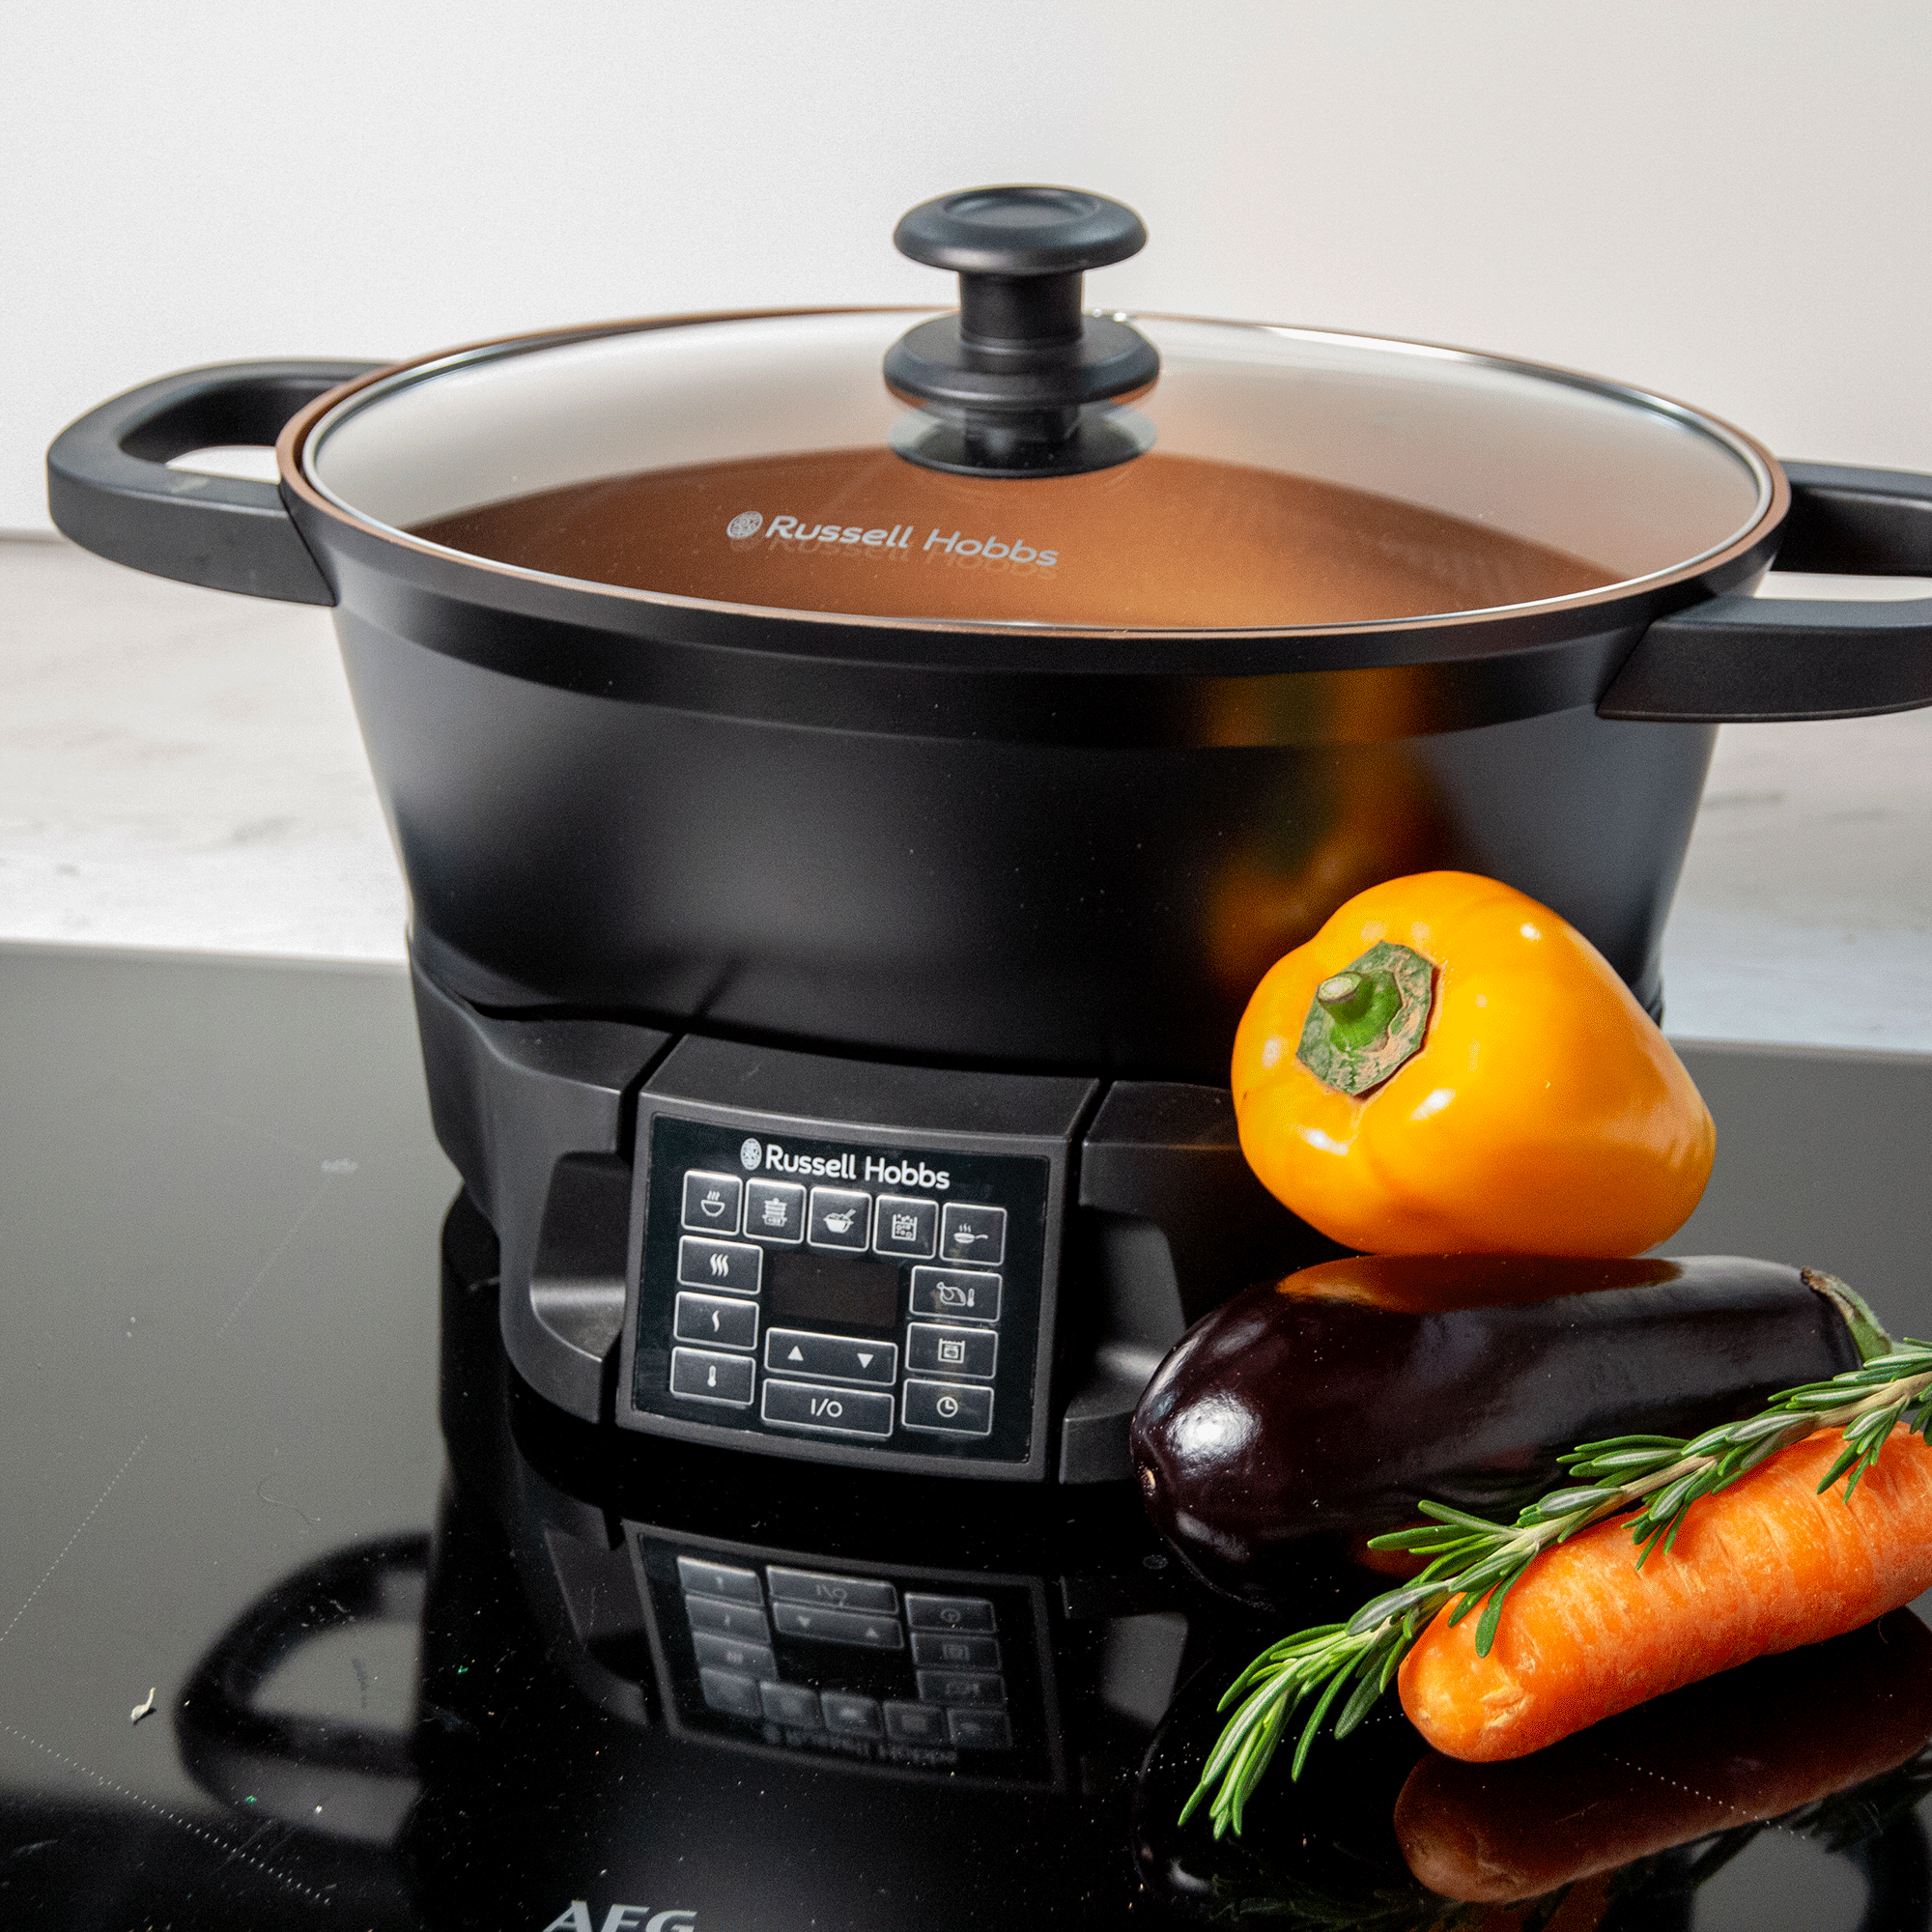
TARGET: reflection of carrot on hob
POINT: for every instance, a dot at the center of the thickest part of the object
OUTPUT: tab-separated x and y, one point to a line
1748	1745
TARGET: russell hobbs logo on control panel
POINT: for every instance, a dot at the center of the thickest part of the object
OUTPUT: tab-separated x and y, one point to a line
882	1171
944	544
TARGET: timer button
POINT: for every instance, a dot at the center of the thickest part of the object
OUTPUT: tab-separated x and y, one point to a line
947	1409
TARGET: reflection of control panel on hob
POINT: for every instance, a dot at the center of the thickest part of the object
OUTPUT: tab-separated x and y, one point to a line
905	1671
873	1289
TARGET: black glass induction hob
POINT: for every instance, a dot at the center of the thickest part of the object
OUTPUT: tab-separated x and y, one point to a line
411	1648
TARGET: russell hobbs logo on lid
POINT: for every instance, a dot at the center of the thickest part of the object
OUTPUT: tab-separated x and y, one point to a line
750	1154
746	523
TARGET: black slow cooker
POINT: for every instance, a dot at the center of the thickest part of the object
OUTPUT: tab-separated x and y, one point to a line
851	768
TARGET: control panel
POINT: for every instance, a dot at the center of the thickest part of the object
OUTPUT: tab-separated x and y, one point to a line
908	1671
844	1292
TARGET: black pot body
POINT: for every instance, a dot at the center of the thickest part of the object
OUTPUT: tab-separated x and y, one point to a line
966	899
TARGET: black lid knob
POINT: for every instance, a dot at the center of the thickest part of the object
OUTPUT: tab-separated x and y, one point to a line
1019	361
1019	230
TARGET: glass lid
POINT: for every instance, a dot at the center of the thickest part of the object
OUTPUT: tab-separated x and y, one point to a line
1019	462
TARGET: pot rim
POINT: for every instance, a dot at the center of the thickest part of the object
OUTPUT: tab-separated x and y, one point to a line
306	428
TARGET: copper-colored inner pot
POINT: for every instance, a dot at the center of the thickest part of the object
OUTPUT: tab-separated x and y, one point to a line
1163	542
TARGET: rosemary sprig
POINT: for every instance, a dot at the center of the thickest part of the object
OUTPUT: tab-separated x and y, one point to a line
1475	1563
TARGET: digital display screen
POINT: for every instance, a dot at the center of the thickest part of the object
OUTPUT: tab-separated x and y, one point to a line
806	1289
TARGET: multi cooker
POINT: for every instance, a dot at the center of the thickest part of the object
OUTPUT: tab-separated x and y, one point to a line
851	765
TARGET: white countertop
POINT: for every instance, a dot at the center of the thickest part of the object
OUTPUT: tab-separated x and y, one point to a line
181	769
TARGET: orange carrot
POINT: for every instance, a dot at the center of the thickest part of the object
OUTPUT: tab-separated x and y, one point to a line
1765	1565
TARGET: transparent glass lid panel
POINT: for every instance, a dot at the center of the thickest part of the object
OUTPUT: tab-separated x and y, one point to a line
1295	479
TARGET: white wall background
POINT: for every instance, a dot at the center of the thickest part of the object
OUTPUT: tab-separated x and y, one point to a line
1730	201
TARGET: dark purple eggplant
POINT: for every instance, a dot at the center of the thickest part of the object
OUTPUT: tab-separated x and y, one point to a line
1333	1400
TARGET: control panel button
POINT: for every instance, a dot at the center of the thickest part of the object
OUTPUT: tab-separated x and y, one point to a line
837	1627
964	1293
905	1227
790	1704
853	1716
775	1212
727	1619
951	1351
699	1376
734	1267
845	1358
984	1688
717	1318
969	1232
833	1593
948	1613
719	1579
834	1411
980	1730
727	1653
840	1219
915	1723
727	1690
951	1649
954	1408
711	1202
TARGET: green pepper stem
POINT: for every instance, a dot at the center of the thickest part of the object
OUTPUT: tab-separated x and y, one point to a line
1346	995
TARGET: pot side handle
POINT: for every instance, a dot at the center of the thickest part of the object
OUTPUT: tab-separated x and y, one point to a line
110	489
1759	659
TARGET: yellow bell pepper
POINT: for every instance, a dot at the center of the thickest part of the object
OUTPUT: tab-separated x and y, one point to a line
1449	1067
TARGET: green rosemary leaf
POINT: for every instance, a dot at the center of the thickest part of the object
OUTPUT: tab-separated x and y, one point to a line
1561	1503
1763	1427
1387	1608
1627	1463
1614	1444
1314	1723
1486	1631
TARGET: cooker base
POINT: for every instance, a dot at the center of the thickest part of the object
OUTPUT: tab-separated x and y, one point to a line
841	1261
